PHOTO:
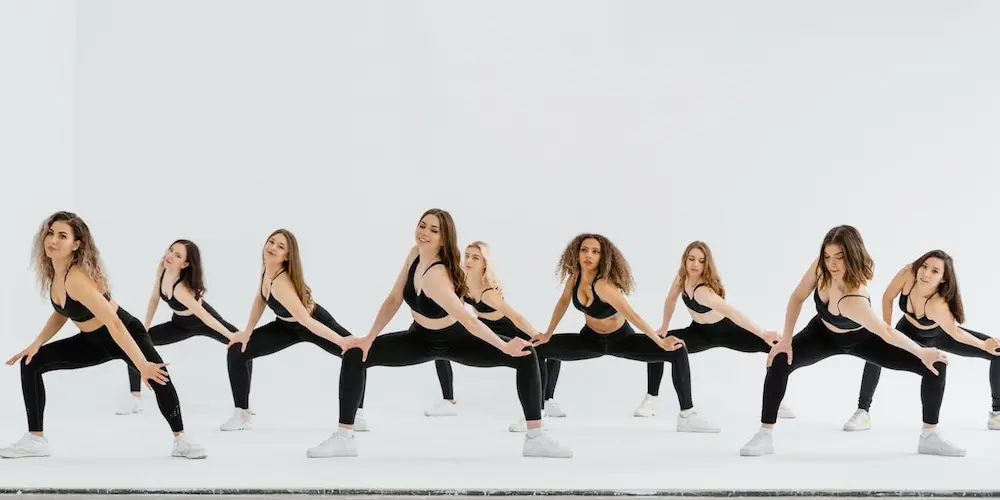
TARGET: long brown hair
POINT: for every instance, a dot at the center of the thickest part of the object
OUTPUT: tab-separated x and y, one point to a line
612	266
293	266
859	267
948	288
192	276
449	253
709	275
87	257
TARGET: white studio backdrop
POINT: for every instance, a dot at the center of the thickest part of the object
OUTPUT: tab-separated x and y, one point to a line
754	127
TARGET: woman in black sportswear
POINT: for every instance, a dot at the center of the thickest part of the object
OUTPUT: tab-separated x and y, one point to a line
299	318
179	282
714	322
597	277
932	312
69	269
845	324
432	283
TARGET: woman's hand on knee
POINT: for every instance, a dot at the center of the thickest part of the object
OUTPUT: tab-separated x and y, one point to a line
783	346
28	353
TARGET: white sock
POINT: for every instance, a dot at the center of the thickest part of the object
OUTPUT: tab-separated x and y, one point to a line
766	430
687	412
927	431
346	432
533	433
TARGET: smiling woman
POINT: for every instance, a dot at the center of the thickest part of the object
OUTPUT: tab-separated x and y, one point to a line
932	311
845	324
299	319
432	283
69	269
179	281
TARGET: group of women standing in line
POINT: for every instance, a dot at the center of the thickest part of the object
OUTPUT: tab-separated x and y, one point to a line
437	286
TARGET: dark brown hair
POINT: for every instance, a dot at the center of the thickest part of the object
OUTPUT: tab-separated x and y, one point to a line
192	275
612	265
449	253
948	288
859	267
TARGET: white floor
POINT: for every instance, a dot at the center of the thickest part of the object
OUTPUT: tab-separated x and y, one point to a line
93	448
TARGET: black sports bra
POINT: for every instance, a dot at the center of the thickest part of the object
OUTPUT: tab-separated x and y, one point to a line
597	308
837	321
73	310
925	321
693	304
172	301
279	310
421	304
480	305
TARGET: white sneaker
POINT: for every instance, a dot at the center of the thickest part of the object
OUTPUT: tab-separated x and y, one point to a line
762	443
340	444
552	409
931	443
360	423
131	404
647	408
184	447
442	408
519	426
29	445
538	443
993	423
238	422
785	412
860	421
691	421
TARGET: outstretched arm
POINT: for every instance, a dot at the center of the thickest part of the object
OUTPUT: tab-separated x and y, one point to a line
612	295
670	303
493	299
711	299
154	299
184	296
560	310
892	290
283	290
938	311
437	285
394	300
81	287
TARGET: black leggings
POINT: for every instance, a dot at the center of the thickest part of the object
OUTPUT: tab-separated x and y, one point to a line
700	337
271	338
182	328
622	343
816	342
419	345
92	349
940	339
505	328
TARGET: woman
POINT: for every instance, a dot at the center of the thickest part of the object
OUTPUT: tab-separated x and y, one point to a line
179	281
432	283
932	310
298	319
714	322
69	269
597	277
845	324
485	295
